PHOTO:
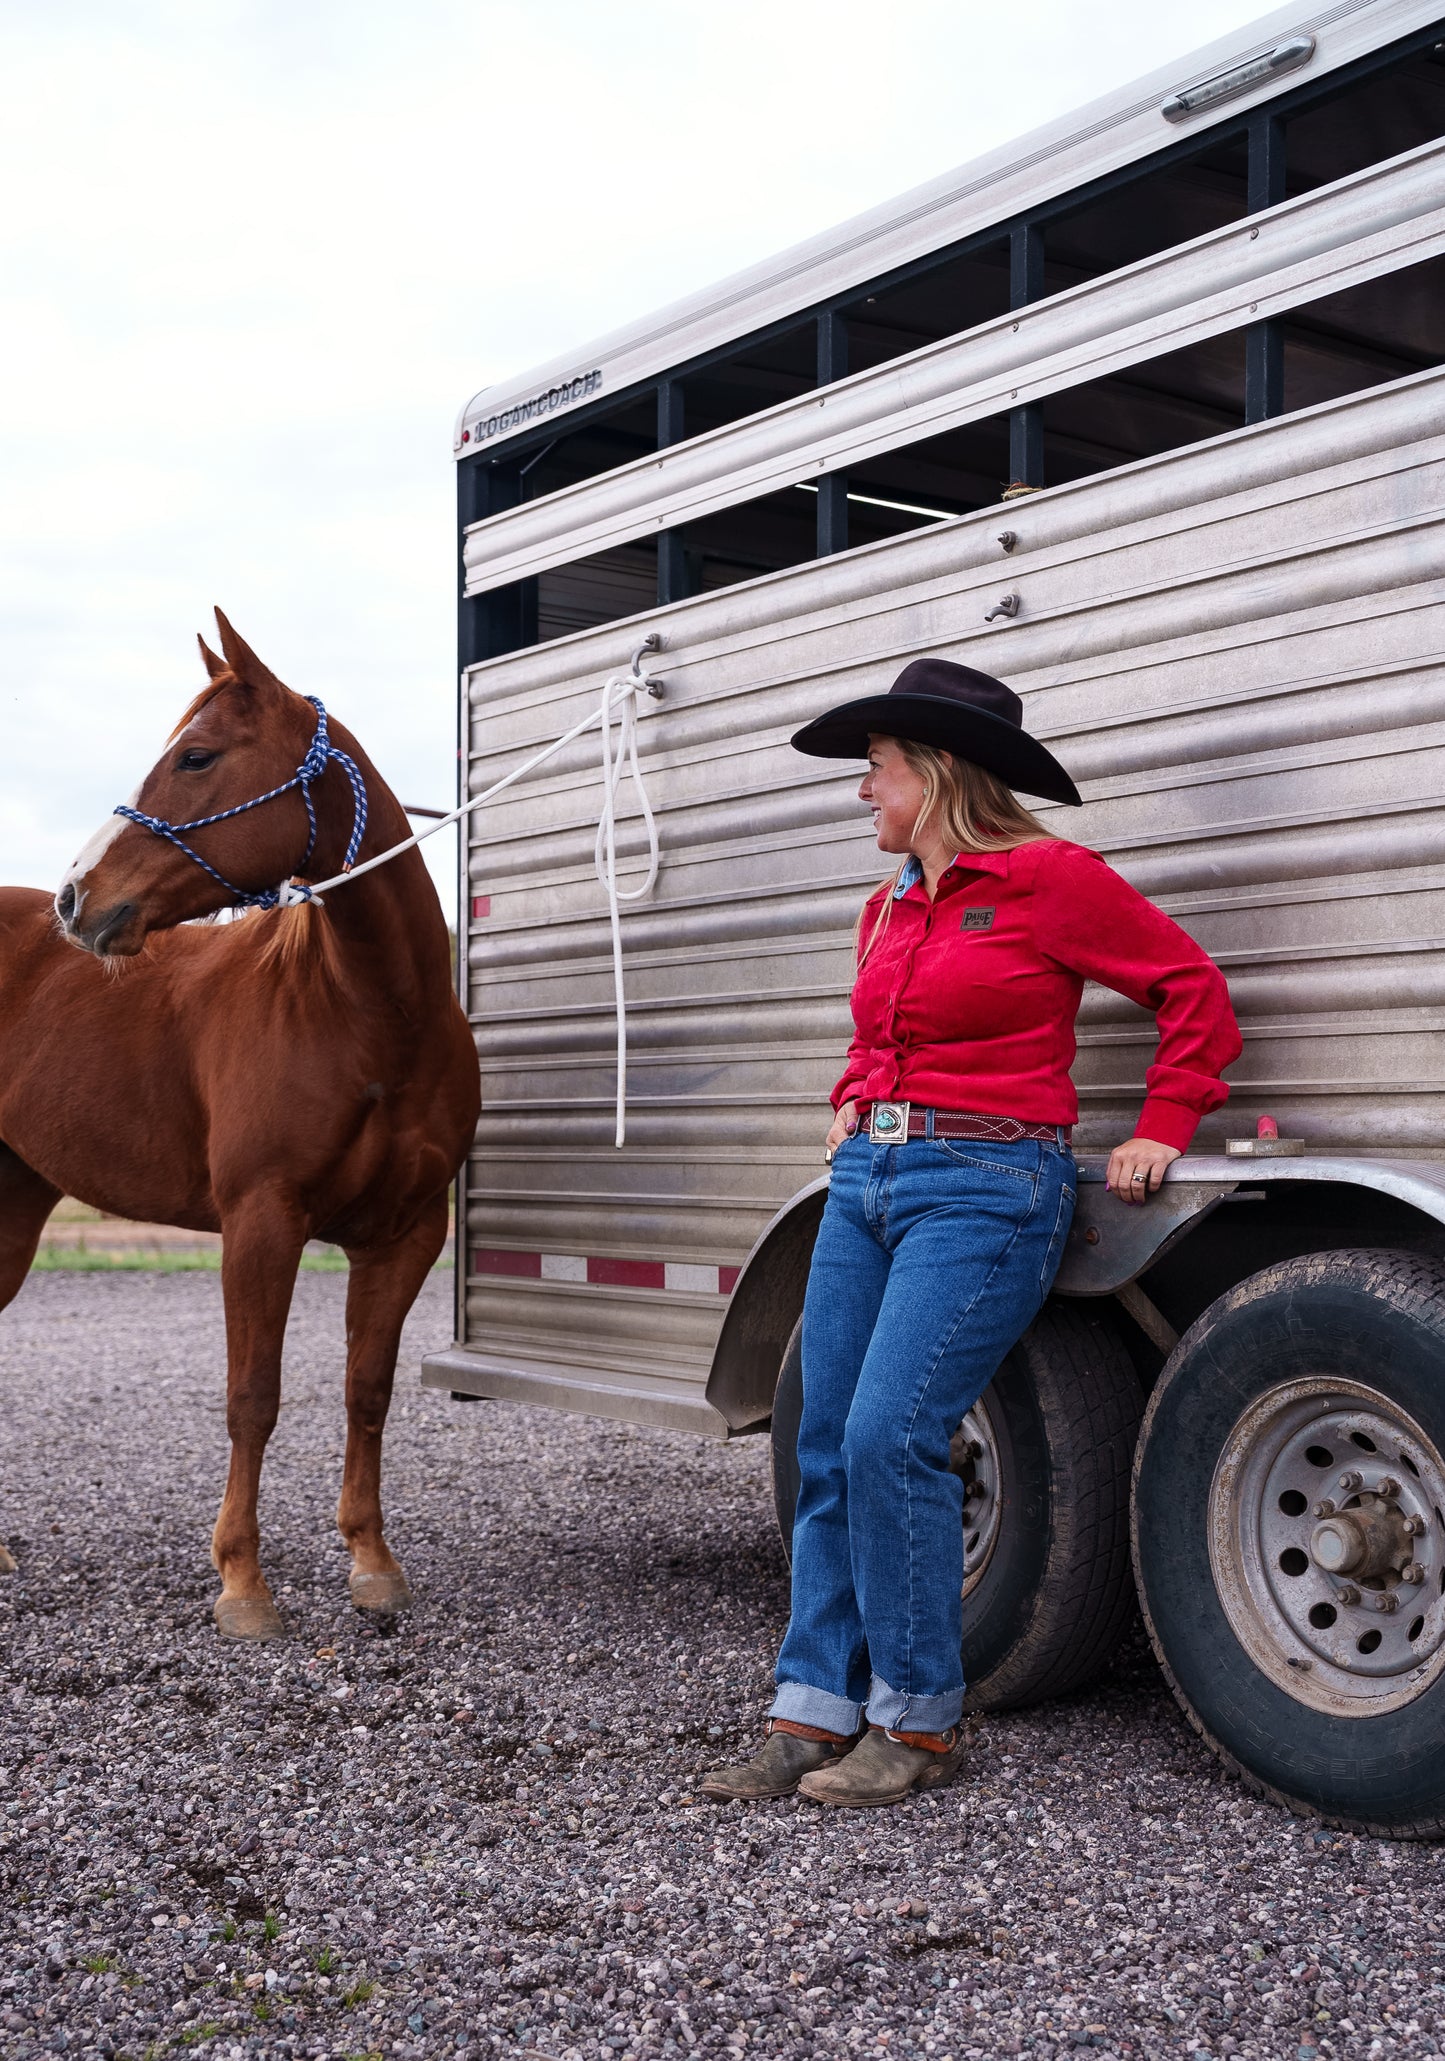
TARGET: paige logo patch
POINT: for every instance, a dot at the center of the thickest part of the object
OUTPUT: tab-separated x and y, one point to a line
977	919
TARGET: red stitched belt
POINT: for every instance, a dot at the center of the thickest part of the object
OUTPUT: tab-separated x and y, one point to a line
891	1122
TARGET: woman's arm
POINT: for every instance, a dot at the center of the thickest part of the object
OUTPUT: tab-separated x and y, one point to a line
1088	918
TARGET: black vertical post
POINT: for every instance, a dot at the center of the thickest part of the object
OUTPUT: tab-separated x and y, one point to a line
1026	424
671	558
833	486
505	619
471	615
1264	341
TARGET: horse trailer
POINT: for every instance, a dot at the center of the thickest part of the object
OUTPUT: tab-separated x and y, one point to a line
1145	414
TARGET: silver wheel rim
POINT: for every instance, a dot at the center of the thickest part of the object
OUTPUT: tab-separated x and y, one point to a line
1327	1544
973	1456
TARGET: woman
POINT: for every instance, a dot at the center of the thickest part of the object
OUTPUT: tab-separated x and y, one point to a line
951	1197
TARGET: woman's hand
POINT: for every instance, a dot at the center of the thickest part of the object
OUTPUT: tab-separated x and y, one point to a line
845	1123
1136	1168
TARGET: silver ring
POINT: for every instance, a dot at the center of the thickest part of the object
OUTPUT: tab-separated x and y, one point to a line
827	1155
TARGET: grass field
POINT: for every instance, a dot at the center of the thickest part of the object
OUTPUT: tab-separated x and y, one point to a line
81	1259
81	1240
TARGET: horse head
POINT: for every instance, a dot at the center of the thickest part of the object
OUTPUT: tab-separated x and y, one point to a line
175	852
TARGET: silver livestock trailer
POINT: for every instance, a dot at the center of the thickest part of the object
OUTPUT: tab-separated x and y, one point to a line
1147	415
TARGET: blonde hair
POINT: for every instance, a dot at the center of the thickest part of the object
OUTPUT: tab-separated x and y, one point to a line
972	810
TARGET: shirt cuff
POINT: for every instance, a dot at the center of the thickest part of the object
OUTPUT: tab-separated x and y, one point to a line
1167	1123
846	1091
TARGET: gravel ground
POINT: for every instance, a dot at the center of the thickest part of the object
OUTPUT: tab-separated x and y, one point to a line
478	1834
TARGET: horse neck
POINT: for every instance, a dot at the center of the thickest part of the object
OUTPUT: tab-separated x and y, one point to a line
388	923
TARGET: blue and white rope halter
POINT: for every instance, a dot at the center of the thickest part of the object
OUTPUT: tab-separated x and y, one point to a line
311	768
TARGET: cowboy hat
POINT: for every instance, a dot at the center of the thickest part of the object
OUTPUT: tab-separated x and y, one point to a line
933	701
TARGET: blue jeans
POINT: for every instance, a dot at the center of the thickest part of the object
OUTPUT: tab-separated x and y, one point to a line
932	1259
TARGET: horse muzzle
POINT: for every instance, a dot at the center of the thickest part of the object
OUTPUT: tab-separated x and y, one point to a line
115	932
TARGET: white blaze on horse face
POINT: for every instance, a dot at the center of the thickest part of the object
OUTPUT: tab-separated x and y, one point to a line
91	855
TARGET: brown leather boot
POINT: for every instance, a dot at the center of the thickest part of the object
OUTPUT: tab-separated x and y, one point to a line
776	1769
886	1767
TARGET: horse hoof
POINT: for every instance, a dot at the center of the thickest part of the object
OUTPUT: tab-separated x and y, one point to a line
248	1617
384	1594
8	1563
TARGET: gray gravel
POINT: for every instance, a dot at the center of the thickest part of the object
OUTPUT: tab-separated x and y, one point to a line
478	1834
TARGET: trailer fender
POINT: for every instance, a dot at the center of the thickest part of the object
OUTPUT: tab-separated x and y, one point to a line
1112	1243
765	1305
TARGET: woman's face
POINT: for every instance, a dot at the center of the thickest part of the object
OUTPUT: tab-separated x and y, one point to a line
894	792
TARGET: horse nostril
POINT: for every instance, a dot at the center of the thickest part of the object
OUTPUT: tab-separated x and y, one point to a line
113	922
65	903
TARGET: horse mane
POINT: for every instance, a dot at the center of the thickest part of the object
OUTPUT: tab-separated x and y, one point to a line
301	943
207	693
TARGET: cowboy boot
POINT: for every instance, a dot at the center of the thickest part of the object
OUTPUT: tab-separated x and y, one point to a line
886	1767
786	1755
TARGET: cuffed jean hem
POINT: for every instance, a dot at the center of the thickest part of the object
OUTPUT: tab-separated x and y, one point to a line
804	1705
896	1712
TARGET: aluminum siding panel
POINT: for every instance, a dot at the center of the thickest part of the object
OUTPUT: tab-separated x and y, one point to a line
1239	649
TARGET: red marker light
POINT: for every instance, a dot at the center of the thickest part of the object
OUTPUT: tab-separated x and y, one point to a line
1267	1128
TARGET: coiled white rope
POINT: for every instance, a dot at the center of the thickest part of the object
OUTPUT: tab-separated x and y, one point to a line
605	855
619	693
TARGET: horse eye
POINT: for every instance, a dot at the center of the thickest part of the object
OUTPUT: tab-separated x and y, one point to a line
195	761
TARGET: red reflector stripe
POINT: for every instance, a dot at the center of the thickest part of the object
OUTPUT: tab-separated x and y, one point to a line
525	1266
604	1273
623	1273
481	905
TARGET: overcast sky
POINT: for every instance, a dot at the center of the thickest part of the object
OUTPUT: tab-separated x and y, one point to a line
253	256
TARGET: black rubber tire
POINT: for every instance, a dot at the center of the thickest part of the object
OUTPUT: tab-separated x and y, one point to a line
1375	1317
1056	1595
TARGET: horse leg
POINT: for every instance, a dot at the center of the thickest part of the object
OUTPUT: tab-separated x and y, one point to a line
261	1249
384	1285
26	1201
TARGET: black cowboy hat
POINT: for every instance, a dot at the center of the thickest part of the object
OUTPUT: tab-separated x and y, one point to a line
933	701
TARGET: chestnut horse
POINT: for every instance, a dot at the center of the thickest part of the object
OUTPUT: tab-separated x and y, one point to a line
305	1072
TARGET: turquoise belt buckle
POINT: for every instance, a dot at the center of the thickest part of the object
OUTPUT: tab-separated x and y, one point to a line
888	1122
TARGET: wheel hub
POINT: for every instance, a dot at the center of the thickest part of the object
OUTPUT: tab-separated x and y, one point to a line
1368	1540
1346	1612
973	1455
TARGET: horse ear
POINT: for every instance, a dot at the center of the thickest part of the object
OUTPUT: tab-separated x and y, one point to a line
214	666
242	660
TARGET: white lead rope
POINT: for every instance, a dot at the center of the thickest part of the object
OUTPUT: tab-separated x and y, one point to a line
605	856
620	691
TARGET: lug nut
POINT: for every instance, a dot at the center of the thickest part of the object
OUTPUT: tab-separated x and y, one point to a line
1352	1479
1413	1573
1324	1507
1389	1486
1348	1593
975	1449
1415	1527
1388	1603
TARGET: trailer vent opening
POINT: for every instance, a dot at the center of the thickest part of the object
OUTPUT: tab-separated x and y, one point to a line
930	300
758	375
1135	218
1365	336
1366	122
597	444
1180	398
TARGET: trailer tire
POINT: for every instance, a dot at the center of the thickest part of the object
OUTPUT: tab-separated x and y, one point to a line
1050	1595
1305	1407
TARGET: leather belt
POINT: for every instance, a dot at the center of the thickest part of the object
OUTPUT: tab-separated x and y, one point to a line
889	1123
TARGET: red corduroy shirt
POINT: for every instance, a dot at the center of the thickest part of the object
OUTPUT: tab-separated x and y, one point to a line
968	1002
